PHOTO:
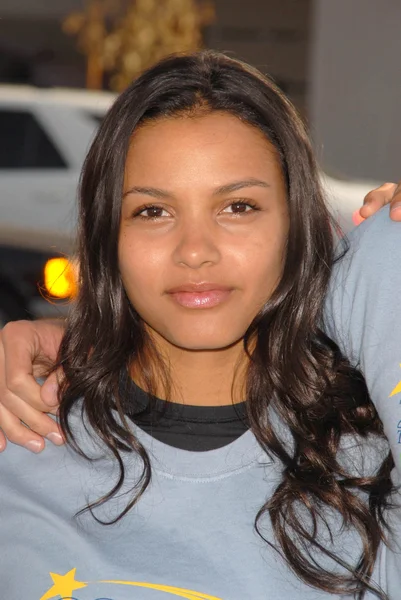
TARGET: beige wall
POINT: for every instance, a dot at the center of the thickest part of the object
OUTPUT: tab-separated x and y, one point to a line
355	94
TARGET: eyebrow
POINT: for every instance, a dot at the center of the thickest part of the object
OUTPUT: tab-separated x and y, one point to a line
239	185
224	189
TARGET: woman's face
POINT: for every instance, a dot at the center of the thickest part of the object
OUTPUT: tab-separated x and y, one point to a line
203	229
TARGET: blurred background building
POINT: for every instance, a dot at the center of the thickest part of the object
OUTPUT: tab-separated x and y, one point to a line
271	34
354	100
339	62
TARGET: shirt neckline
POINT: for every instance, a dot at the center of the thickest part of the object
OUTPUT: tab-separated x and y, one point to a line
237	456
174	462
182	412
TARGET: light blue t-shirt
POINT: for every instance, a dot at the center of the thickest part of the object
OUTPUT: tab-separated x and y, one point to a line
363	312
192	533
190	536
364	317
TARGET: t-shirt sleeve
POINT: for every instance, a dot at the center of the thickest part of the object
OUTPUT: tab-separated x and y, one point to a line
363	315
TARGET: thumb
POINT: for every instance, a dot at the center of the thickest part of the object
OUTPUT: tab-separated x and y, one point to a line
377	198
50	388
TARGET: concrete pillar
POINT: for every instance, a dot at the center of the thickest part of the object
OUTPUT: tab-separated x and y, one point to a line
355	87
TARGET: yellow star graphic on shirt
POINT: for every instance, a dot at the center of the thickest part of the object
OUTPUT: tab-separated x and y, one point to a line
396	390
63	586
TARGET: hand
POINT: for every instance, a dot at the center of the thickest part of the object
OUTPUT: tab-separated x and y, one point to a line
27	350
388	193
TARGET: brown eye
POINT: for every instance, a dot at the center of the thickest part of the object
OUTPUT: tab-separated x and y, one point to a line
239	208
151	212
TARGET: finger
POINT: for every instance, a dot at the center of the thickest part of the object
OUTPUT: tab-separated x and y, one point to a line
14	410
38	422
17	355
49	390
3	441
17	433
395	207
377	198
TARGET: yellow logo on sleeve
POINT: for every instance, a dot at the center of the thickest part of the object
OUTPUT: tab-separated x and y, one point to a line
65	585
396	390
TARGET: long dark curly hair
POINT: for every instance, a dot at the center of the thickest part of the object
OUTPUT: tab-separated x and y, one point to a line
295	371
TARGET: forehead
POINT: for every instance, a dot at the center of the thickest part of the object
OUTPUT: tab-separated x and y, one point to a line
204	145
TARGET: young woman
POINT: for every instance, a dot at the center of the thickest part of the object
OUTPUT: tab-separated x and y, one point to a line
205	251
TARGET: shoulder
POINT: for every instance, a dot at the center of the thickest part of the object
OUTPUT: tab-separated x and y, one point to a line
375	244
367	270
361	309
55	466
26	477
369	256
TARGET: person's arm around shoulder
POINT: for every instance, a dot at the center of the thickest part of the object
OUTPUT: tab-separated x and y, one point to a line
27	350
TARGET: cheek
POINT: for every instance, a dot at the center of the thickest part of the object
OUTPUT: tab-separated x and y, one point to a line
262	263
262	281
138	268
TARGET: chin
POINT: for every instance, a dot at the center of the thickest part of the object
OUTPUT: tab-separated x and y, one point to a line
204	342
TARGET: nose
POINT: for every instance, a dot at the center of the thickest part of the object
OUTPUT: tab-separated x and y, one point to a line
196	246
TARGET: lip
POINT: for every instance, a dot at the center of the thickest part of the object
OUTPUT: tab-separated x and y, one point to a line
203	286
200	295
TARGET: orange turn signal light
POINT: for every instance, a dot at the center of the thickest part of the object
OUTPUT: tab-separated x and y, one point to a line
60	277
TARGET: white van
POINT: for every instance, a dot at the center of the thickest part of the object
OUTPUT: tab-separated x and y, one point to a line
44	136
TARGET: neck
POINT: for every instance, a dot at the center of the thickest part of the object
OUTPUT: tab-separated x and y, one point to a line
204	377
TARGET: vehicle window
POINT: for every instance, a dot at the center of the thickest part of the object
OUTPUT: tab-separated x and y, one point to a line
24	144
